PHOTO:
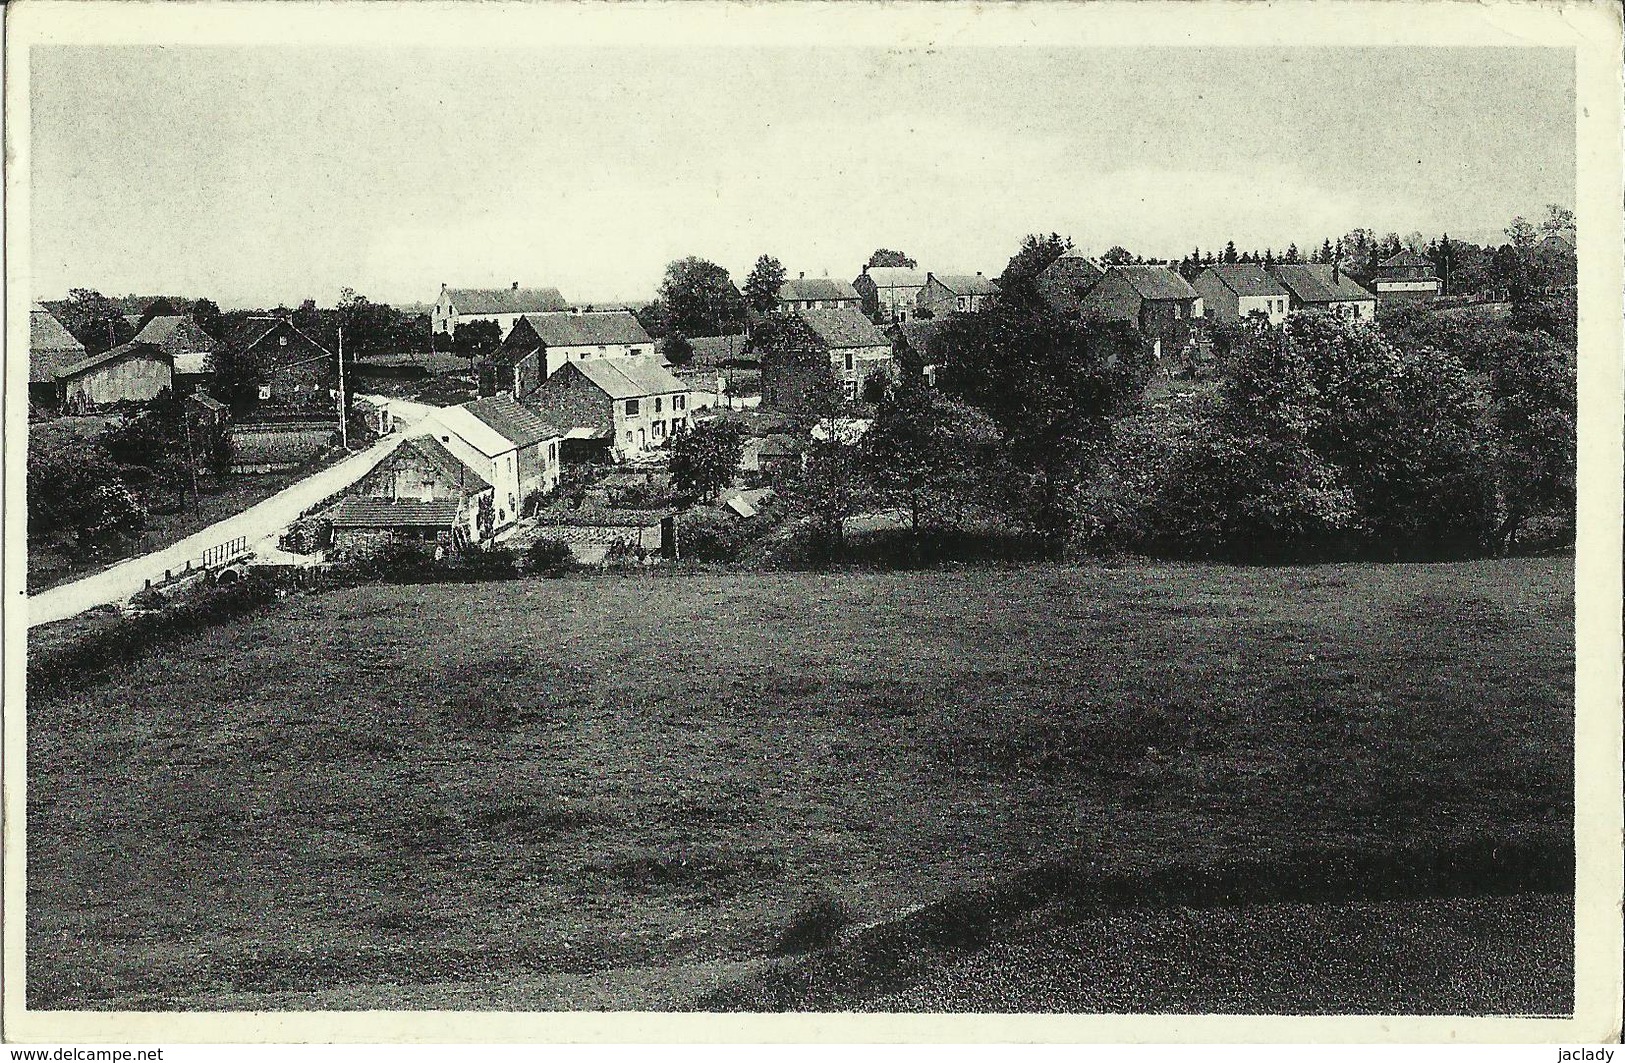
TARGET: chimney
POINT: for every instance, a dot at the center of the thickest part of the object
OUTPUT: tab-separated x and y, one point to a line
978	273
516	286
803	275
1337	274
866	269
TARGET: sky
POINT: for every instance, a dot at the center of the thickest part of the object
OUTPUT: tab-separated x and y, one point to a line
258	176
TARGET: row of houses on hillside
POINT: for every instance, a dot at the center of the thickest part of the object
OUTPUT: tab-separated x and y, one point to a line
892	294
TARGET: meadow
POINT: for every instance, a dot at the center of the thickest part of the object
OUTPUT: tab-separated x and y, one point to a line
618	792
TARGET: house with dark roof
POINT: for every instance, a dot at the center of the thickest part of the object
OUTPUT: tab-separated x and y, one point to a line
298	376
889	293
1327	288
361	524
51	347
615	407
1064	282
914	353
947	293
509	445
808	353
804	293
538	344
1406	276
505	306
1154	299
422	470
1231	291
191	350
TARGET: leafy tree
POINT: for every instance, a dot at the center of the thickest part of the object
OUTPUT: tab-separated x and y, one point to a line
369	328
1532	388
705	458
921	447
1051	385
652	316
1116	256
474	339
99	324
883	257
1559	220
206	316
763	283
700	299
82	494
677	350
1523	235
1019	281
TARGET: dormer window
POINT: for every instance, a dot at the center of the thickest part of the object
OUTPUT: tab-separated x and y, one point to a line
282	341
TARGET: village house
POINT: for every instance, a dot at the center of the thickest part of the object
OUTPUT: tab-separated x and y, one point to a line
812	352
1325	287
1155	300
888	293
1405	276
946	293
422	469
505	306
297	374
538	344
362	524
507	444
190	349
913	349
1064	282
1231	291
615	407
130	372
51	347
817	293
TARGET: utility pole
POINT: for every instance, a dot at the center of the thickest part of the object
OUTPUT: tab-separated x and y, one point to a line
344	426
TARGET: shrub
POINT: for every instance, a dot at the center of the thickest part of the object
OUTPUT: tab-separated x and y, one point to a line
710	534
478	564
817	924
73	663
549	557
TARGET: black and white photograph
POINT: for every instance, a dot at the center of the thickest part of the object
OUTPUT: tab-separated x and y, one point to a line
920	513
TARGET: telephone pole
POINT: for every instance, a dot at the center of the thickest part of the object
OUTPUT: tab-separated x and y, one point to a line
344	425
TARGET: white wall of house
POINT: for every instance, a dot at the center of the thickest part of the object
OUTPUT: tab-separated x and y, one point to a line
557	356
643	423
1272	305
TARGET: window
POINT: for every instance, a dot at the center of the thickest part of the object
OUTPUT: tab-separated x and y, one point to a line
852	390
282	341
631	407
658	401
265	391
678	402
849	359
552	452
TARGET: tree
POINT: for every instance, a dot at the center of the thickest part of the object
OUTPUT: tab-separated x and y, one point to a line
474	339
1559	221
82	494
369	328
1291	256
1051	385
700	299
206	316
921	445
884	257
1229	251
705	458
763	283
98	322
1116	255
1532	388
677	350
1019	281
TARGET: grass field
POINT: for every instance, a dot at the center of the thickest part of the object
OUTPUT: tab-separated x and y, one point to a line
616	792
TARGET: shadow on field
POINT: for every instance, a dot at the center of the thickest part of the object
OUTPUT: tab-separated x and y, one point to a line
891	957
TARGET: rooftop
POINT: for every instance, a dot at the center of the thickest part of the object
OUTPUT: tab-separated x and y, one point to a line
842	327
629	378
816	288
512	300
356	512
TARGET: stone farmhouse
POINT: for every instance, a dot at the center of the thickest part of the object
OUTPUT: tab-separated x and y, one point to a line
1231	291
1325	287
618	408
